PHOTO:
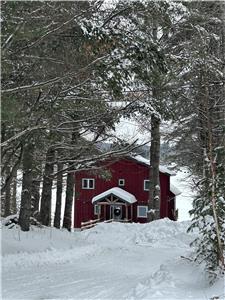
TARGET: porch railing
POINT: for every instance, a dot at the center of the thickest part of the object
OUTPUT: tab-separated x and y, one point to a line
92	223
89	224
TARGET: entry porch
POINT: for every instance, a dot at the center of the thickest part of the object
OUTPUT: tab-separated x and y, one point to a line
114	204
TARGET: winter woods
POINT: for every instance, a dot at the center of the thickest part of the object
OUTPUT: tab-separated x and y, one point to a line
59	109
65	68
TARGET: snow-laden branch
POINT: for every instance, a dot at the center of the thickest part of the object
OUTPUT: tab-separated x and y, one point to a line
90	163
113	15
20	134
10	38
53	31
53	80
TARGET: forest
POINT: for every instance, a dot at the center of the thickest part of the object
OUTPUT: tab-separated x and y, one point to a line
71	70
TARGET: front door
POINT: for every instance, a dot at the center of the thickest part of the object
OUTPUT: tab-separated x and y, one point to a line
116	212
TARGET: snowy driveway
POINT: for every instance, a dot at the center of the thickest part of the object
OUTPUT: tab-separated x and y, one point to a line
110	261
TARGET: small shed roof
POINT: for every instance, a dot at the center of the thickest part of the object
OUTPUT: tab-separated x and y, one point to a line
174	190
119	193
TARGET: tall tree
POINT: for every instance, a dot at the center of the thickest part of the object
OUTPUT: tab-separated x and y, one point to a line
46	197
59	189
25	206
70	188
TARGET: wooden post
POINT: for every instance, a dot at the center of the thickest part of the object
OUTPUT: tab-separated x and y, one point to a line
126	212
99	211
104	212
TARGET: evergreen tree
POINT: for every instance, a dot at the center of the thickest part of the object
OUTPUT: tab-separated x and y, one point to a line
201	124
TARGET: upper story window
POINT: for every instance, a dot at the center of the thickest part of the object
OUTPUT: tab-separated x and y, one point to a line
88	183
121	182
146	185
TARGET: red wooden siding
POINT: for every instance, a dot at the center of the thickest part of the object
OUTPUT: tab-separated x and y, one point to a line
134	174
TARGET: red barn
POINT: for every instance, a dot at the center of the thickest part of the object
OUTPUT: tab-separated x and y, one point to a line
123	196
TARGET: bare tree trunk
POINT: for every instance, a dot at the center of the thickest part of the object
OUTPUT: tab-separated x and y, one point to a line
69	191
35	196
214	200
25	207
37	177
57	218
14	194
154	186
46	197
216	139
67	221
3	134
7	198
213	162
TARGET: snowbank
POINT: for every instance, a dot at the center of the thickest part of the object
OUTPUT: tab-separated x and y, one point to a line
109	261
162	233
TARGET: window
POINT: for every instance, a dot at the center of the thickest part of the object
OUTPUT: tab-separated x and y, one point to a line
121	182
142	211
88	184
97	209
146	185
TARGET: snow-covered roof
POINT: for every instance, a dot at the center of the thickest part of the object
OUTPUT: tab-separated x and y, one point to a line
174	190
119	193
145	161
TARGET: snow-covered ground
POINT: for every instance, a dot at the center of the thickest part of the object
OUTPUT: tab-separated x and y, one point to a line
110	261
183	181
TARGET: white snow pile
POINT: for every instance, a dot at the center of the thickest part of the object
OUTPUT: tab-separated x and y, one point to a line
40	247
163	234
109	261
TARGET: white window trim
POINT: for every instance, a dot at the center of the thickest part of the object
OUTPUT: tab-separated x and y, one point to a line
88	184
97	209
123	184
146	180
146	211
